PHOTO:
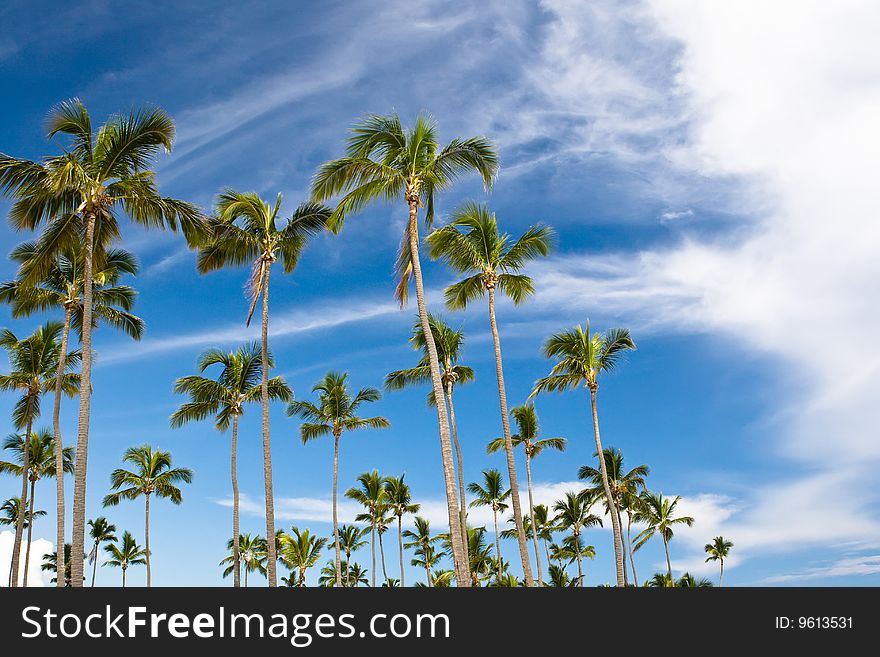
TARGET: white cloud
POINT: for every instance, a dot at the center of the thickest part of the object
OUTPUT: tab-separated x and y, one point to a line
848	566
39	547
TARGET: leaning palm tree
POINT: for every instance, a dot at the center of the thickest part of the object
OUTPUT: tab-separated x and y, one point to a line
153	474
492	494
80	195
527	435
399	504
250	553
657	513
126	554
472	245
350	540
33	364
573	514
385	161
10	510
223	398
335	412
420	538
245	231
41	463
582	357
300	550
718	550
100	531
449	343
372	496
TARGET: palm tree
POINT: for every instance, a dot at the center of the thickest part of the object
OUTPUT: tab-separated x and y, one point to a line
356	575
301	550
384	160
400	503
573	514
245	231
129	553
581	358
382	523
420	538
11	509
153	474
492	494
571	550
527	435
223	398
449	343
33	364
101	531
350	540
657	513
471	244
624	486
372	496
631	503
545	526
80	194
50	564
558	577
718	550
250	552
335	412
688	581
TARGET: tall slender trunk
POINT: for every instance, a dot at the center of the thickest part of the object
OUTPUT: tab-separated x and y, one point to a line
508	446
246	570
532	518
123	575
462	507
622	544
22	508
30	530
452	508
400	548
347	561
373	553
577	546
95	565
271	572
85	400
668	562
147	538
335	517
497	545
382	555
547	552
236	547
615	523
427	566
629	548
721	576
59	446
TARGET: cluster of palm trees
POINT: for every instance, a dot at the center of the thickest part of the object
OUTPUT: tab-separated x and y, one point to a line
77	199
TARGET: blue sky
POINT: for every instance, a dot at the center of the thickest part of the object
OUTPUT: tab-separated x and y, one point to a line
667	143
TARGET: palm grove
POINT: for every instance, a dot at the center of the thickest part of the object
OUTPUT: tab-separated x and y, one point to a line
74	203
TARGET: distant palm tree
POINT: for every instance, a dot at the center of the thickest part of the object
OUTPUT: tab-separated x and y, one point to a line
101	531
718	550
492	494
245	231
250	552
581	358
11	509
80	194
471	244
559	578
420	538
356	575
545	526
129	553
373	497
50	564
327	578
384	160
527	435
657	512
300	550
573	514
688	581
399	504
153	474
350	540
335	412
223	398
33	364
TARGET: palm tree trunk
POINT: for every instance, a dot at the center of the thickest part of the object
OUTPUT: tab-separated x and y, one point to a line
123	576
721	576
632	560
622	544
236	548
577	545
462	508
508	446
59	446
452	507
400	548
347	562
547	552
532	516
27	554
373	553
95	565
668	562
22	509
427	567
497	545
85	400
335	517
615	523
271	572
246	577
382	554
147	537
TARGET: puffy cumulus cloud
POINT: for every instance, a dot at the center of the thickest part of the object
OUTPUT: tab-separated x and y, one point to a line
39	547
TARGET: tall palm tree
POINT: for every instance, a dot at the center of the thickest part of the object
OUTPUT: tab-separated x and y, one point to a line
100	531
545	526
80	195
50	564
300	550
128	553
250	552
573	514
382	523
385	161
527	435
10	510
153	474
420	538
372	496
245	231
582	357
472	245
350	540
492	494
33	363
449	343
657	513
40	458
399	504
718	550
62	289
335	412
223	398
624	487
631	503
